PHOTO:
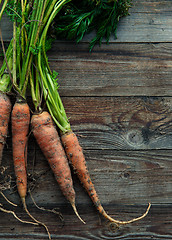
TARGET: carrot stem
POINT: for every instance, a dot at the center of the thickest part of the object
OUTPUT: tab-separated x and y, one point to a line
14	50
3	8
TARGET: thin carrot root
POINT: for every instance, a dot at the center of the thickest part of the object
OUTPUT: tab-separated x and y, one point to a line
118	223
34	219
13	213
13	204
48	139
76	157
76	212
44	209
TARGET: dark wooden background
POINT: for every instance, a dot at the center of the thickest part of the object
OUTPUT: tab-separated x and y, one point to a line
119	100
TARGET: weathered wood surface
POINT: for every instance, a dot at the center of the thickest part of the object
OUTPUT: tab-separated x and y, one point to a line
113	70
119	100
96	228
121	123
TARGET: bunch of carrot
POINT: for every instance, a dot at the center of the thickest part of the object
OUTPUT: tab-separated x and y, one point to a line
27	67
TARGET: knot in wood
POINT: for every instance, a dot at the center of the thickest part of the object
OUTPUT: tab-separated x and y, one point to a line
135	138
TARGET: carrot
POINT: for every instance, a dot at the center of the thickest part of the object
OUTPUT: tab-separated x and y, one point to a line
20	127
5	109
48	139
76	157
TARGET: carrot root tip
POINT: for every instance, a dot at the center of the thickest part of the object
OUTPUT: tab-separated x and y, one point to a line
118	223
77	214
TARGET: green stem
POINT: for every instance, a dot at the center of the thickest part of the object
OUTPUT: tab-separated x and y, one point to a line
57	8
33	42
9	55
49	11
34	99
55	107
23	6
14	55
54	102
3	8
14	51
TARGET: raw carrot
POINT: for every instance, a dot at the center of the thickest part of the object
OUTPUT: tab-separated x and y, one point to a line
20	127
48	139
5	109
76	157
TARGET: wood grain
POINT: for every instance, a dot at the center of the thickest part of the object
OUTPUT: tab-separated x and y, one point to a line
121	123
120	177
113	70
152	227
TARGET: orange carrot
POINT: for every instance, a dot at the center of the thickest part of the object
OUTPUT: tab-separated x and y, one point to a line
20	126
76	157
48	139
5	109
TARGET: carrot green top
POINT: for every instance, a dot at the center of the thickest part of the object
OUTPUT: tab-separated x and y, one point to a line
26	56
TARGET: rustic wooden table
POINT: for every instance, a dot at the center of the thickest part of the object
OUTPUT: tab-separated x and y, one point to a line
119	100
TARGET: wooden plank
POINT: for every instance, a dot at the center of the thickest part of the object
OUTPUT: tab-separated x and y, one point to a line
151	6
150	21
142	27
113	70
125	177
121	123
120	177
157	225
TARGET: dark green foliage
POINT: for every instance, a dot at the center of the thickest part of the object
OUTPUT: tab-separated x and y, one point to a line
14	10
35	49
80	17
48	43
